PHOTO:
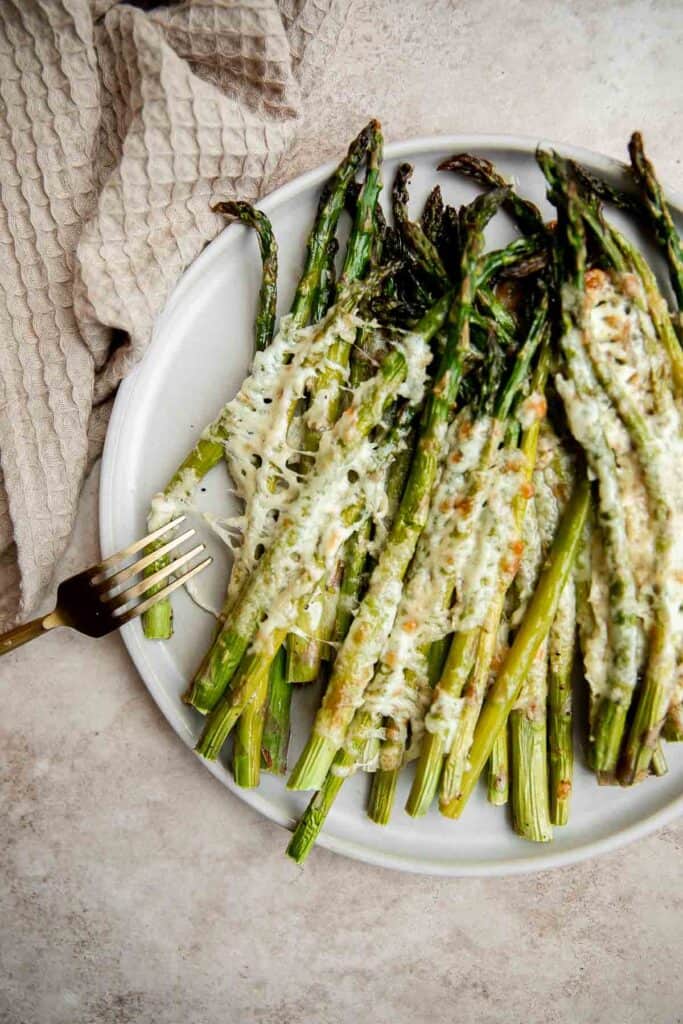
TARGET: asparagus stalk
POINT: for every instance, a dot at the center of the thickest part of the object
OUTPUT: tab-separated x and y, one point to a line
655	307
499	771
605	192
658	765
473	691
383	794
531	800
246	758
659	215
449	239
247	765
562	647
324	295
321	238
352	564
482	643
358	545
625	257
499	763
522	257
626	396
355	555
276	729
250	681
349	756
527	215
458	666
413	234
356	660
310	825
432	216
528	757
157	621
658	312
342	589
531	634
528	719
264	324
311	822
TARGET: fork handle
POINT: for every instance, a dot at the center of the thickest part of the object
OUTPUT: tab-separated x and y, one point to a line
22	634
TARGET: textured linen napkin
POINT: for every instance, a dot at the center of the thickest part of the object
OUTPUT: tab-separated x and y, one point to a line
117	126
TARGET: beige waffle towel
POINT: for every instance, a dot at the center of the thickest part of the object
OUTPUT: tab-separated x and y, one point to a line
117	125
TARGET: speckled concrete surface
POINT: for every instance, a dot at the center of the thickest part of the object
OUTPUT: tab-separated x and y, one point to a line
133	888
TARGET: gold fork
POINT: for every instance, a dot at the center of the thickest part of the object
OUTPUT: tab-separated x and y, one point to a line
94	603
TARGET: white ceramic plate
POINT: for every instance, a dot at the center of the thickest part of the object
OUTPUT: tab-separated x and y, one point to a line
199	355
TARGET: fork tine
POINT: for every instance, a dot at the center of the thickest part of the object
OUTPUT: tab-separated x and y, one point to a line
150	581
109	582
114	559
143	606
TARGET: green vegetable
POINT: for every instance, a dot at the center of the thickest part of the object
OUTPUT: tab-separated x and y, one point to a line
356	660
157	622
529	638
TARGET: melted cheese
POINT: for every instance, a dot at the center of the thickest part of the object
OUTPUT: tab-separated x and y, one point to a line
198	597
494	532
469	528
622	341
175	500
552	484
420	613
258	450
443	717
418	356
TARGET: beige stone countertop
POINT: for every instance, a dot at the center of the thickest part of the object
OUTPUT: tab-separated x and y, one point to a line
133	887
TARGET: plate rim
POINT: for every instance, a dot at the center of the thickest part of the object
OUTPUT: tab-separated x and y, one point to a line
522	143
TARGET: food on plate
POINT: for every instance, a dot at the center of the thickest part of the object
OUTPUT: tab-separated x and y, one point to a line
461	473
